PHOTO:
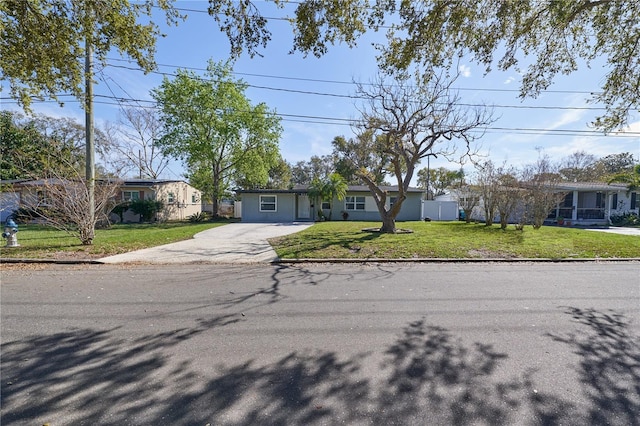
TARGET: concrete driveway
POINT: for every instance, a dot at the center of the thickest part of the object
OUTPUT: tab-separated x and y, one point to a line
232	243
618	230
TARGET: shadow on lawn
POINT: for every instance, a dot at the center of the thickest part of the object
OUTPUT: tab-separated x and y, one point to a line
427	376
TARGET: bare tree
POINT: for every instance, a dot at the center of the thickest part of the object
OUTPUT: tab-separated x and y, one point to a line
540	181
508	194
63	203
133	138
411	119
487	185
468	199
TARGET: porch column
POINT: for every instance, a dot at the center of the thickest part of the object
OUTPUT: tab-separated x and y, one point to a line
574	207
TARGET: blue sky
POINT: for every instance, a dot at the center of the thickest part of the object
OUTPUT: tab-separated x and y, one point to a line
275	78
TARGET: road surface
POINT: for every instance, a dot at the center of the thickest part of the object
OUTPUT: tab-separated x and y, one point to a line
437	344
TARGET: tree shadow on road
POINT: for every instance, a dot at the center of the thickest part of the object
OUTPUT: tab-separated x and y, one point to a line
609	365
427	375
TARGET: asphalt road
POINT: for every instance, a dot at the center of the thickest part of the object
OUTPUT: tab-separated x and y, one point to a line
437	344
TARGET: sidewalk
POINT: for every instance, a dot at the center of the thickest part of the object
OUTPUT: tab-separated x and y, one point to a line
232	243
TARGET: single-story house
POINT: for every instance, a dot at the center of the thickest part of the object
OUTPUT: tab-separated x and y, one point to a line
295	204
594	203
584	203
179	198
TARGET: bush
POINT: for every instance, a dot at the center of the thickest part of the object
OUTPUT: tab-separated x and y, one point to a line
146	208
625	219
199	217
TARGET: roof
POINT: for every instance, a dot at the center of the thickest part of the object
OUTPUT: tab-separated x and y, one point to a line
303	189
149	182
591	186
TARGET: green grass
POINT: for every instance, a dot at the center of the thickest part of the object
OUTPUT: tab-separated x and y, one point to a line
452	240
40	242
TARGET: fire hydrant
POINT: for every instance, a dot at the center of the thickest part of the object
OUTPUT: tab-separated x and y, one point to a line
10	233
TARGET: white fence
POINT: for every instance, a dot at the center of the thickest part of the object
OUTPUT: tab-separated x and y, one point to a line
440	210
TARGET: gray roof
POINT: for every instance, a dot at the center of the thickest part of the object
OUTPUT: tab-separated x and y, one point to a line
303	189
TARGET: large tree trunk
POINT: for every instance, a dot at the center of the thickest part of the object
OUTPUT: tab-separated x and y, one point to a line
388	225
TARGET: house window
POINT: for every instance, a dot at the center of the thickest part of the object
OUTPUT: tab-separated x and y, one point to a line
194	199
130	195
326	205
268	203
392	201
354	203
614	202
634	197
171	198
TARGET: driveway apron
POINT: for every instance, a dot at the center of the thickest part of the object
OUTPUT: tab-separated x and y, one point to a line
232	243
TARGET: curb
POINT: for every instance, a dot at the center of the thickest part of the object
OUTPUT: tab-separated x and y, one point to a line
53	261
461	260
372	260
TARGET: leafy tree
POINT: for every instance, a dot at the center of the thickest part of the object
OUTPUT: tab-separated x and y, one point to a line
38	146
365	150
632	179
54	35
335	186
435	181
614	164
553	37
280	175
578	167
411	119
317	168
212	127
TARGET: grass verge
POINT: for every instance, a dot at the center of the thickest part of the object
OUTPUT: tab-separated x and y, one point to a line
452	240
40	242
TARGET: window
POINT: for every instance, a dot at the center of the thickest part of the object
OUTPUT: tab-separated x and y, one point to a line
392	201
43	198
130	195
268	203
326	205
614	202
354	203
634	200
171	198
194	198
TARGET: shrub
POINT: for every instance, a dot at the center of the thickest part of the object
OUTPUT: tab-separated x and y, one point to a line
146	208
199	217
625	219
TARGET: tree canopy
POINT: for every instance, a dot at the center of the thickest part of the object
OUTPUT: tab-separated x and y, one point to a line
211	126
42	41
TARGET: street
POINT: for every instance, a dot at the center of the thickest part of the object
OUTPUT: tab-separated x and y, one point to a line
437	344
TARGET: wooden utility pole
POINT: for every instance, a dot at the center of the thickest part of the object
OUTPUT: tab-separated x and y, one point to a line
90	149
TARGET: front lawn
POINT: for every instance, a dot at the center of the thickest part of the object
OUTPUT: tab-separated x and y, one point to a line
341	239
41	242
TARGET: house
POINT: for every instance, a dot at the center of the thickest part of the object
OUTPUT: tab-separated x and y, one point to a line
295	204
180	200
594	203
584	203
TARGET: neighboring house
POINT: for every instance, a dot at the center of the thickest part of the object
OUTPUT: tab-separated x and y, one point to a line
289	205
585	203
180	200
594	203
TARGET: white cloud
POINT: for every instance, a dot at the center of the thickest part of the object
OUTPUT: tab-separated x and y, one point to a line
465	71
510	80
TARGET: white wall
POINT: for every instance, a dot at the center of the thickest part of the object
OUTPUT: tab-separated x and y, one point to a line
440	210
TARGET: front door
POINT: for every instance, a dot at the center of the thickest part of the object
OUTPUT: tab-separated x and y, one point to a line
304	207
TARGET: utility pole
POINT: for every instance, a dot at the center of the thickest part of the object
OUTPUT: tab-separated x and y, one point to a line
90	150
